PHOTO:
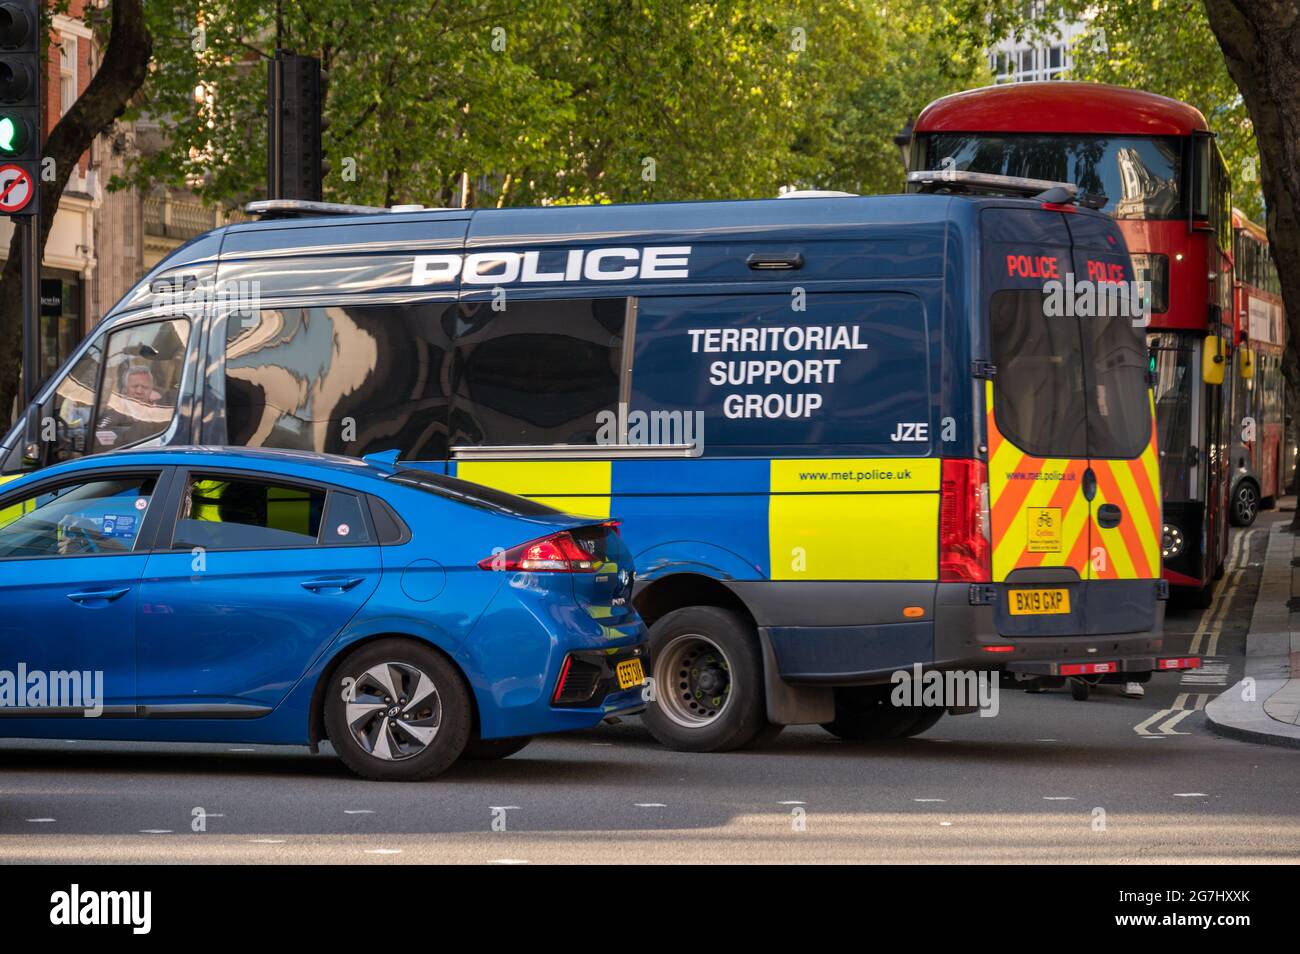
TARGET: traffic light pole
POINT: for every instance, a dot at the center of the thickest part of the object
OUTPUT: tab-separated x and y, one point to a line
31	270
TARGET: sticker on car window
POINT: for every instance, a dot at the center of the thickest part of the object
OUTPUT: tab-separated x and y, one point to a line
141	503
118	525
344	529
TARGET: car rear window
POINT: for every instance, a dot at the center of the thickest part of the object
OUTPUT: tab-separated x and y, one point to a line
475	495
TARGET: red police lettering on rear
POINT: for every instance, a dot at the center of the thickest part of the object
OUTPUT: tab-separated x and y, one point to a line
1033	266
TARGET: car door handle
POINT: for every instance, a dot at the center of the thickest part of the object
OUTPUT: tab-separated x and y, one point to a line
1109	516
85	597
341	583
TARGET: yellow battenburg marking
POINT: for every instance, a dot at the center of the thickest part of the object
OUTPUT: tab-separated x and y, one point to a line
886	527
580	487
9	514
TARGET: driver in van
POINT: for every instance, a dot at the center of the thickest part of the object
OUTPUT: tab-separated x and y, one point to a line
126	417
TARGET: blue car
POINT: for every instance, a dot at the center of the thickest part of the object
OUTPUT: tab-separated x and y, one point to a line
233	595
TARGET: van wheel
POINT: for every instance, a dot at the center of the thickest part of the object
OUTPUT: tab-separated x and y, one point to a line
397	710
483	750
864	713
708	681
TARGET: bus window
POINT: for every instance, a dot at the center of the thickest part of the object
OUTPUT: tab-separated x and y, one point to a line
539	372
343	379
140	384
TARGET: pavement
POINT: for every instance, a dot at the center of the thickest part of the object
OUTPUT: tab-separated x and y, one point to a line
1048	779
1264	705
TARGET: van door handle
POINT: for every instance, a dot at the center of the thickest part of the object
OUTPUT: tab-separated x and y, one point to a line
1109	516
89	597
340	583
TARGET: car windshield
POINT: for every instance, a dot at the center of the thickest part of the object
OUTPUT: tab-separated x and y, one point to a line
1139	175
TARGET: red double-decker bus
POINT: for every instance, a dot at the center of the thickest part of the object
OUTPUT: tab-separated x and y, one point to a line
1259	390
1155	162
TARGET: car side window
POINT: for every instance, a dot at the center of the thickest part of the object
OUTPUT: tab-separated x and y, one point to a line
140	384
220	512
74	403
93	516
345	522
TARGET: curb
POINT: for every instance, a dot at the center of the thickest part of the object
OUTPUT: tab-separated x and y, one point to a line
1270	644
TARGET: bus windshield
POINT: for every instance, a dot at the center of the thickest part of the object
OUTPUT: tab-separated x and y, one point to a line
1139	175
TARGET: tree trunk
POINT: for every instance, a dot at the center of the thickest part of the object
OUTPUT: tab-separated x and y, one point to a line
120	76
1260	40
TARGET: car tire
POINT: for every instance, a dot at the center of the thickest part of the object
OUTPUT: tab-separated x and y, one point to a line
865	714
381	739
714	701
1245	504
486	750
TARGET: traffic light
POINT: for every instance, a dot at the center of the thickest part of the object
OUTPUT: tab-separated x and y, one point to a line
20	106
294	155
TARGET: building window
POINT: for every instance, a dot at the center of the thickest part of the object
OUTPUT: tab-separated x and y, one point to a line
67	74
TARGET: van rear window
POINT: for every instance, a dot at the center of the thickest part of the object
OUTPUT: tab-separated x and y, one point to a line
1067	386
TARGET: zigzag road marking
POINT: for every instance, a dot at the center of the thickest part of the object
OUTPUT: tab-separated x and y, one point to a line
1184	705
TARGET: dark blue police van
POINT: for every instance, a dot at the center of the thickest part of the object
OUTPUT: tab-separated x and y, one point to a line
795	407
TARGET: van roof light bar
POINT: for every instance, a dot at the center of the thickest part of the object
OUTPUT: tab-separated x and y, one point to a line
962	180
297	208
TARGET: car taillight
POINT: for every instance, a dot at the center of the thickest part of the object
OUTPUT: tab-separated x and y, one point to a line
964	550
558	553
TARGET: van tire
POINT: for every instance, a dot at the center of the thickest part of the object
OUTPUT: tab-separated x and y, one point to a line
453	723
864	714
727	644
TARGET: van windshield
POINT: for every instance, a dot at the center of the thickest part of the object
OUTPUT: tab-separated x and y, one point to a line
1067	386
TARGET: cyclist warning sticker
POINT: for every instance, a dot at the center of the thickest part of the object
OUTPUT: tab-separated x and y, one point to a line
1044	534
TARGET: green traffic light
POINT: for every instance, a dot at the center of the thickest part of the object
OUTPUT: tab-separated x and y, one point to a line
13	135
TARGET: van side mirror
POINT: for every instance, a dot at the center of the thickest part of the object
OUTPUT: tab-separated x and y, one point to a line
1214	361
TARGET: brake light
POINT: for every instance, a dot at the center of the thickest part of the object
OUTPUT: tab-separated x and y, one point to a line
558	553
964	550
1181	662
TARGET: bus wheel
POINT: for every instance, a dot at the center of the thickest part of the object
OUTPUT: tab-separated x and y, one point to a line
708	681
865	713
1245	504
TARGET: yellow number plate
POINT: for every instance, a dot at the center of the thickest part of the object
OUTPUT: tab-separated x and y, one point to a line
630	673
1038	602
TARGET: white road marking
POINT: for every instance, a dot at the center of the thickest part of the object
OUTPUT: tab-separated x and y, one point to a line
155	831
651	805
267	841
40	820
1059	798
383	851
945	824
792	803
929	799
358	811
1184	705
1190	795
502	808
508	861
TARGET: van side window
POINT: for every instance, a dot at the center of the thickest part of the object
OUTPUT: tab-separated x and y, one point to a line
345	380
539	372
140	386
74	402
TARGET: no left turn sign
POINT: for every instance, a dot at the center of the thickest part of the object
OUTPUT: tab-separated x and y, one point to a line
15	189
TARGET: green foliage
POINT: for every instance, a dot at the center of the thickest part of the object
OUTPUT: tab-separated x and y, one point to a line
554	101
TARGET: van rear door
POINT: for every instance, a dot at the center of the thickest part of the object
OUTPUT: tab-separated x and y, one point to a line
1035	414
